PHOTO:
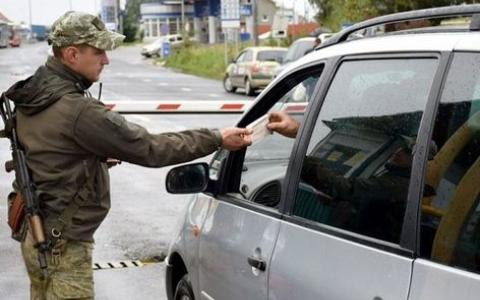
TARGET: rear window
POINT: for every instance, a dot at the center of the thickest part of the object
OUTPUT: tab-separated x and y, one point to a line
270	55
298	50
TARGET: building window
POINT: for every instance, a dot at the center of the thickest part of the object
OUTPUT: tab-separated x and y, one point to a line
265	18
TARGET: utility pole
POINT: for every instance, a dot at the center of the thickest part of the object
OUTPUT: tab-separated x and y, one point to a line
183	17
255	30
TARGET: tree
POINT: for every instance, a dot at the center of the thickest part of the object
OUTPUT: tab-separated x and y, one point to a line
131	20
334	13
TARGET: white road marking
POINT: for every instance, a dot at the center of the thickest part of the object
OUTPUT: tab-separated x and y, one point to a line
147	80
186	89
214	95
162	84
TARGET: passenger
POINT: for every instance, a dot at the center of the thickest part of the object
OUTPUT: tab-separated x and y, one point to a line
379	201
68	135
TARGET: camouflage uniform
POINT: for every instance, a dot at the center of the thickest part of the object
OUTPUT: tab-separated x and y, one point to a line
67	136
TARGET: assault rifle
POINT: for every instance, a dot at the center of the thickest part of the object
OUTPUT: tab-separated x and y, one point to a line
25	185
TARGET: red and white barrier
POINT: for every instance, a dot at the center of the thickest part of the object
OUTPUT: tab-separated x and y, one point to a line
214	107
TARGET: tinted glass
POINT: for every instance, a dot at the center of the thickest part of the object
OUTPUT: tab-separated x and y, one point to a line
450	224
270	55
356	173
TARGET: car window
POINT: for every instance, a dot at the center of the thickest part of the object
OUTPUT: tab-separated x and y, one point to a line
248	56
450	223
270	55
266	161
298	49
356	172
240	57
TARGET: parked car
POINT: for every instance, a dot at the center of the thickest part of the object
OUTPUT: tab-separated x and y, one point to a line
253	69
155	48
377	196
15	41
299	48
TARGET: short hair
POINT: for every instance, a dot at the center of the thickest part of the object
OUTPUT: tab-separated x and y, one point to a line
58	51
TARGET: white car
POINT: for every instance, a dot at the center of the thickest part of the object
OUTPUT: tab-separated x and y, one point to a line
376	197
155	48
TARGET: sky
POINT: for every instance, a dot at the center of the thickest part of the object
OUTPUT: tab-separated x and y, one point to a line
44	12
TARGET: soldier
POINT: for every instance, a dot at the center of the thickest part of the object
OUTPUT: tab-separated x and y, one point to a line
67	136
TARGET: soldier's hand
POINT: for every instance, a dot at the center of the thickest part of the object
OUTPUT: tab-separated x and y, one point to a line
282	123
234	138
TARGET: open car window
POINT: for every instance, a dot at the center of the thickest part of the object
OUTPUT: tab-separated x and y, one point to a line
266	161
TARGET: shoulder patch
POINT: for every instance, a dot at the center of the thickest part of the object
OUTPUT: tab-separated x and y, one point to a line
116	119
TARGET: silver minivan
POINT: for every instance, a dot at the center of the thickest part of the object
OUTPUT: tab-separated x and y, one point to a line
377	196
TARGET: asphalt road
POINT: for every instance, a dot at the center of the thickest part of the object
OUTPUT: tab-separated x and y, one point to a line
143	214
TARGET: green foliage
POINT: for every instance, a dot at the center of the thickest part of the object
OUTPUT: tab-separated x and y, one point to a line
131	20
201	60
334	13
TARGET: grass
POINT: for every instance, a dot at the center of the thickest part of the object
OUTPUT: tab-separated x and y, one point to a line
201	60
206	60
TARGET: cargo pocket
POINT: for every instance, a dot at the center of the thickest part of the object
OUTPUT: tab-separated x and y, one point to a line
73	278
72	287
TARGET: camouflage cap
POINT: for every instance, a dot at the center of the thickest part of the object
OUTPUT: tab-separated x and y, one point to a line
74	28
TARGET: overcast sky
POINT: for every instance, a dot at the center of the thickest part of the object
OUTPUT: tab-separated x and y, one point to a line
46	11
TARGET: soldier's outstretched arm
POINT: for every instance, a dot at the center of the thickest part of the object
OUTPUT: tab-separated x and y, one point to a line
108	134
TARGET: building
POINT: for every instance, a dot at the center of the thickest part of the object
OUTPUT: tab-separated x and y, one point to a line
165	17
201	18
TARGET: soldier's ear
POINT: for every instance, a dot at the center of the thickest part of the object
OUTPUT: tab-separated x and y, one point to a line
70	54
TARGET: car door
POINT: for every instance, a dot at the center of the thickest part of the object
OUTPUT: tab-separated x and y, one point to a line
448	266
237	69
242	224
343	236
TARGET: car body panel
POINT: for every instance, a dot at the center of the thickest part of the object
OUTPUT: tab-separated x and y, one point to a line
435	281
224	249
321	266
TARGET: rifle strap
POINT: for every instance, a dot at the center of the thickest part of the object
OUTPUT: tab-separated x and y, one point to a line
65	219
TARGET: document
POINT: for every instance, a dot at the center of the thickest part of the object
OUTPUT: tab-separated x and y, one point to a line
259	128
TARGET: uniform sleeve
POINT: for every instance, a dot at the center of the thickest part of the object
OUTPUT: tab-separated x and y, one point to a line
108	134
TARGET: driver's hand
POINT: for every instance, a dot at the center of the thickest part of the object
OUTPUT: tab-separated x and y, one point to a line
234	138
282	123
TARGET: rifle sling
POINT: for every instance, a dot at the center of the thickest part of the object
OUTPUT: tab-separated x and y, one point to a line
66	217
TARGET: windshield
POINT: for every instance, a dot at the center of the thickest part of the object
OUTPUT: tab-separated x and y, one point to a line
270	55
298	49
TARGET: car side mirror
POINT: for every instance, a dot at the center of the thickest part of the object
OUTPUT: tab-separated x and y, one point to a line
188	179
233	61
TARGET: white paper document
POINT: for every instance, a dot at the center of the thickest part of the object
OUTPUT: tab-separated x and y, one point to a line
259	128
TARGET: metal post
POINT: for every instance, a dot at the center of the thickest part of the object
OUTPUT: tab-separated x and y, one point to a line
183	17
30	17
254	21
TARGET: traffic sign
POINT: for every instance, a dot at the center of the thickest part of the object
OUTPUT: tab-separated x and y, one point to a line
230	13
166	49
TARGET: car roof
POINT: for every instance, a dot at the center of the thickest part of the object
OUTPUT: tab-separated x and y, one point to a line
420	42
266	48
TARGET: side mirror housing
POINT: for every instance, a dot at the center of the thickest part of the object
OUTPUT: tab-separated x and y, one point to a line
188	179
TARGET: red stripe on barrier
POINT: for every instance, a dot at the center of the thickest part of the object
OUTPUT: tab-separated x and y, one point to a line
295	108
168	106
110	106
232	106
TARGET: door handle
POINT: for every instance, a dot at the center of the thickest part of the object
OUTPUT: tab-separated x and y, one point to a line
257	263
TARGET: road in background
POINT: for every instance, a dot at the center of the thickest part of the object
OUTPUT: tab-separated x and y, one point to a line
129	76
143	214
